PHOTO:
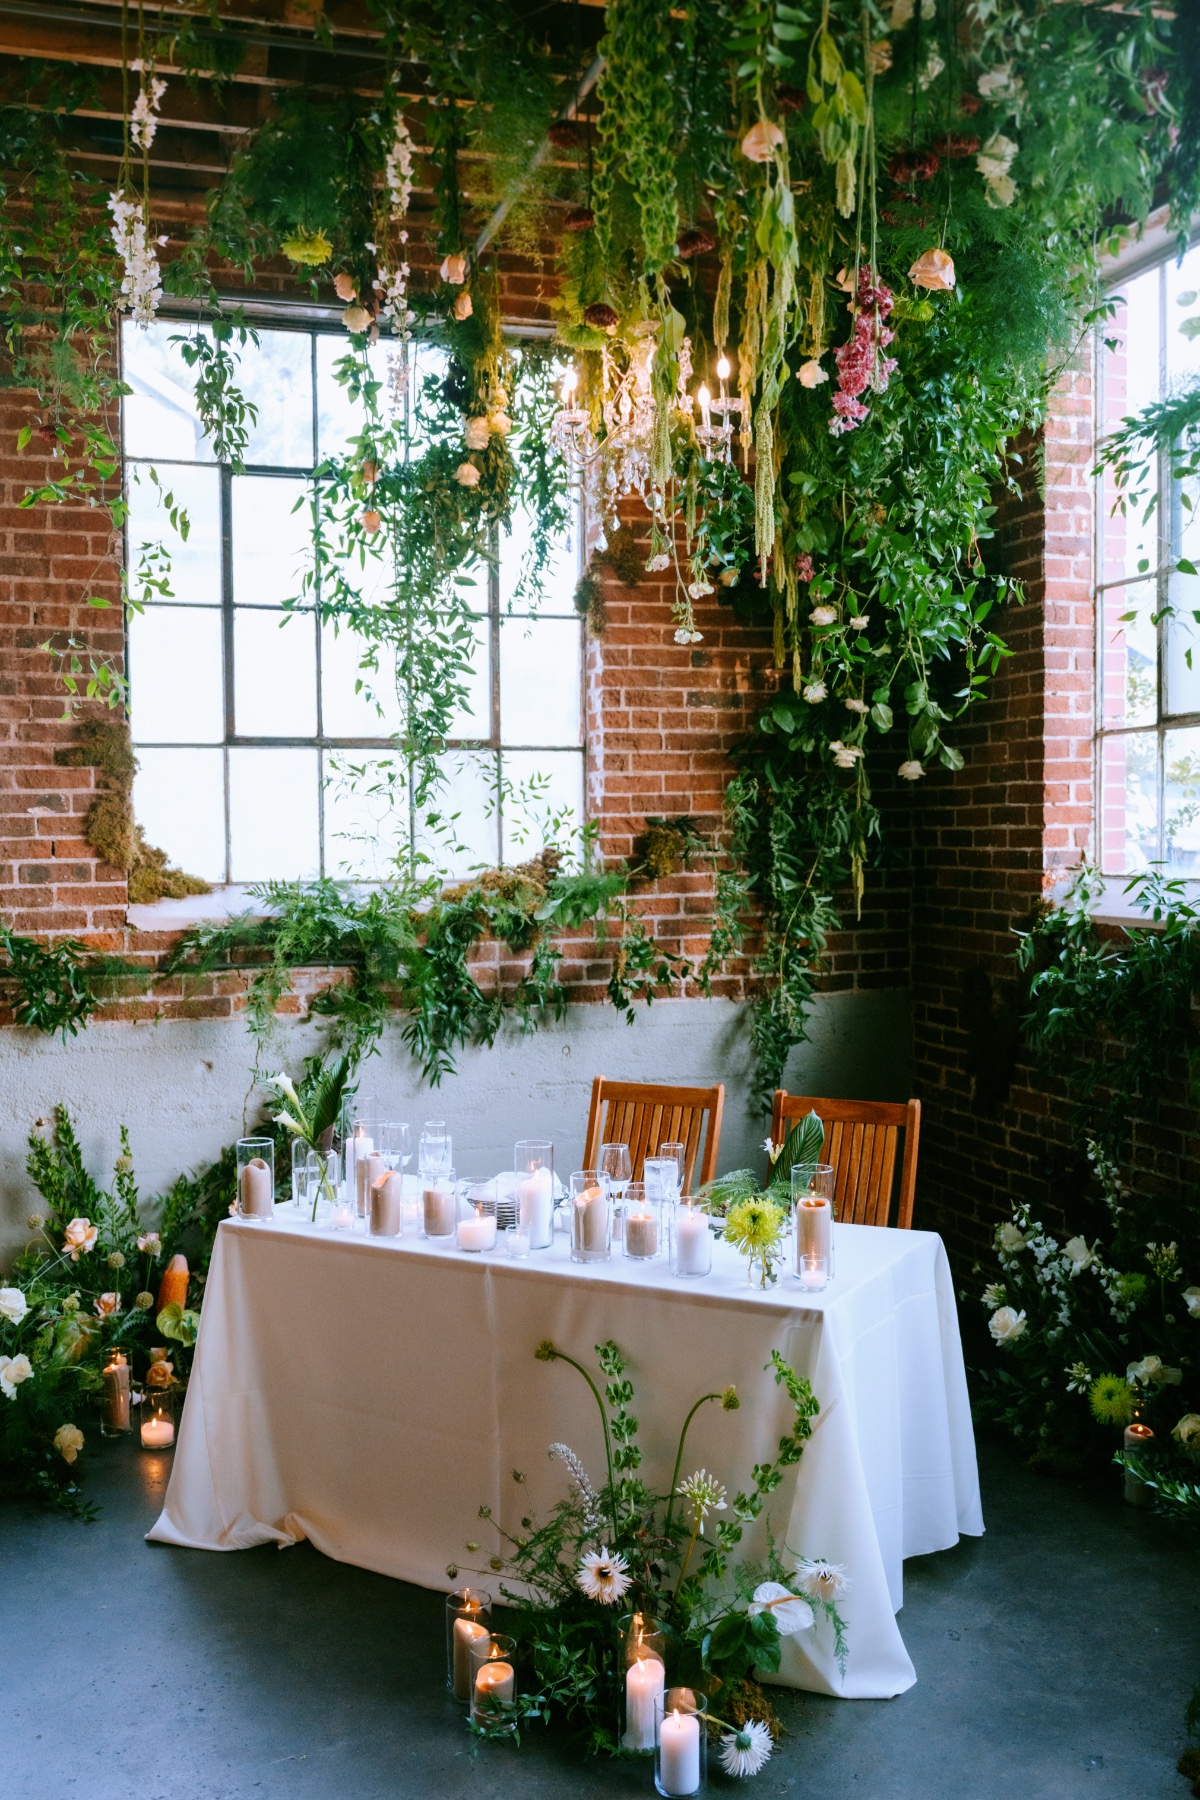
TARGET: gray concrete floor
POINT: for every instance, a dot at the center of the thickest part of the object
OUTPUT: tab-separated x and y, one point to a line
1054	1656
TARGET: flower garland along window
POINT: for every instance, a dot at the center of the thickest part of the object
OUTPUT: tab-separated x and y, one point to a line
278	699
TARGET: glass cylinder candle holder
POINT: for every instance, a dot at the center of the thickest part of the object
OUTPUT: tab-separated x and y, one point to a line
299	1158
680	1742
515	1241
439	1205
591	1217
468	1615
812	1208
643	1681
660	1177
435	1149
691	1241
116	1392
255	1178
533	1161
156	1417
358	1146
476	1221
679	1152
642	1236
1139	1439
493	1680
385	1204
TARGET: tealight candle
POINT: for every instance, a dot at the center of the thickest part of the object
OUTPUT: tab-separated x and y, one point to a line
679	1754
343	1215
477	1232
516	1241
645	1681
157	1434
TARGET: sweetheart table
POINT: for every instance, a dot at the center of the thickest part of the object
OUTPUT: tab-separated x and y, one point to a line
370	1394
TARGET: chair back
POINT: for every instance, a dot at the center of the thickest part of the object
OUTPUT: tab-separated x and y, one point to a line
861	1138
645	1115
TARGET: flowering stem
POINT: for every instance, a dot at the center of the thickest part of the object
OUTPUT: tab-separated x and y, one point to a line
691	1546
561	1356
679	1458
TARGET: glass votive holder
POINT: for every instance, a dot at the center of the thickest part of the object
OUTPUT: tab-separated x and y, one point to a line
643	1681
533	1162
255	1177
435	1148
116	1392
368	1168
516	1241
691	1241
679	1152
300	1154
475	1227
385	1209
642	1238
439	1206
493	1680
812	1197
591	1217
680	1742
156	1417
468	1615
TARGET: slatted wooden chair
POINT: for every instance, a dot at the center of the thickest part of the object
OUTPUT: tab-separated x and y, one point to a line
860	1145
645	1115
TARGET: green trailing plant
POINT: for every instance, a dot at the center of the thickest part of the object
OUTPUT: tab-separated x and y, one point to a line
53	990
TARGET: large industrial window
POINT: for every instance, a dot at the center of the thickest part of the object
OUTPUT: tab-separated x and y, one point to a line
265	747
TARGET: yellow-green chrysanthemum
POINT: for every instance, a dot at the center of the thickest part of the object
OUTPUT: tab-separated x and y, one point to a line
1111	1399
754	1226
309	247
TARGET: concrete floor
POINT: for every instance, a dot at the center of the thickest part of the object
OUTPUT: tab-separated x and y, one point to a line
1054	1656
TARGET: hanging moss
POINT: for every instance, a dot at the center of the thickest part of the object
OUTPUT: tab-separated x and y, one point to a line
623	557
109	827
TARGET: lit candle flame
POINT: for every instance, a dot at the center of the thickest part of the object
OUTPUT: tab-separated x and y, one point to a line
723	369
570	383
704	397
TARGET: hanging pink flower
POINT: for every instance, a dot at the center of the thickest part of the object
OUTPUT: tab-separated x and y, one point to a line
860	364
804	567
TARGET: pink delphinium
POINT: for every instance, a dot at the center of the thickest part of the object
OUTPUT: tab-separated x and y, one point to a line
860	364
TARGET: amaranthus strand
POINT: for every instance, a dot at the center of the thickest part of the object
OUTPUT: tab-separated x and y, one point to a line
548	1353
679	1457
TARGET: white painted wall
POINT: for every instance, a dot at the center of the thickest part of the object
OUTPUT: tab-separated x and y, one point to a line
181	1087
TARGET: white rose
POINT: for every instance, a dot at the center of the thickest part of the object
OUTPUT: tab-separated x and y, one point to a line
810	374
500	423
1001	192
911	770
1187	1432
857	706
845	755
1191	1299
467	475
1078	1255
1009	1237
698	589
823	615
814	693
902	12
1006	1325
1000	84
476	434
13	1305
68	1441
860	621
791	1612
996	157
13	1371
657	563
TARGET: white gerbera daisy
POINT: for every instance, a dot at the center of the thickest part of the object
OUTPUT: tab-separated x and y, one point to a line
746	1751
603	1576
823	1580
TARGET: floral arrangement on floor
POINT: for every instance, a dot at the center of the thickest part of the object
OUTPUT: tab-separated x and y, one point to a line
757	1215
613	1555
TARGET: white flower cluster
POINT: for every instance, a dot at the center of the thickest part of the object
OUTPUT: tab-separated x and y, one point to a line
398	169
1055	1269
143	120
392	287
592	1516
141	289
993	162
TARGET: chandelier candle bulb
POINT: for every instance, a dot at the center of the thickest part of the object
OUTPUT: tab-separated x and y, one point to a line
679	1754
386	1194
705	399
1139	1438
645	1682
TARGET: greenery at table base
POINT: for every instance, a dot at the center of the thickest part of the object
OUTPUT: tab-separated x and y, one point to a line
622	1548
1103	1327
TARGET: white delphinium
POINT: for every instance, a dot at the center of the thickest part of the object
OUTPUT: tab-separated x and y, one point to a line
398	169
141	289
746	1750
143	119
593	1519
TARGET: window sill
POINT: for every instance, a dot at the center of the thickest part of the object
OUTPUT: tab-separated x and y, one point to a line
1114	907
194	909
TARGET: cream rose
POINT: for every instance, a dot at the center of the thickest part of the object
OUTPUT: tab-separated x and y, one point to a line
911	770
1006	1325
1191	1299
1078	1255
1187	1433
68	1441
106	1304
1009	1237
78	1238
823	615
13	1305
13	1371
814	693
476	433
810	374
467	475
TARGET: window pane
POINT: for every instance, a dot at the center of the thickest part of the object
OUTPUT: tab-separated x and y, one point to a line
1183	317
561	574
338	418
274	674
273	814
277	378
1130	655
474	720
1132	374
272	538
1129	803
159	417
1182	655
345	713
543	801
179	801
539	681
366	816
194	572
457	830
175	672
1181	801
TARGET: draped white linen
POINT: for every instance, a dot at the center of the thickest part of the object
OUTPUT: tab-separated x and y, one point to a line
371	1394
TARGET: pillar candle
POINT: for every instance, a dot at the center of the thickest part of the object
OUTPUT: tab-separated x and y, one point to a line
367	1170
258	1197
466	1633
679	1754
644	1683
158	1434
535	1199
813	1229
1138	1438
439	1217
591	1221
693	1241
493	1679
641	1234
358	1145
478	1232
116	1392
386	1191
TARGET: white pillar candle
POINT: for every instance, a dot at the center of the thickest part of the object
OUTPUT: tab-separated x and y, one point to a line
590	1221
257	1192
386	1192
813	1229
158	1434
679	1753
644	1684
535	1200
466	1634
115	1378
439	1217
494	1680
358	1145
641	1234
693	1241
1138	1438
477	1232
367	1171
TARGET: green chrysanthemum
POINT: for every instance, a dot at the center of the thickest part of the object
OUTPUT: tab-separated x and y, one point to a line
1111	1399
754	1226
311	248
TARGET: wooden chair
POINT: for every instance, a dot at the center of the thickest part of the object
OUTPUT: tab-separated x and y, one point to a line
860	1145
644	1115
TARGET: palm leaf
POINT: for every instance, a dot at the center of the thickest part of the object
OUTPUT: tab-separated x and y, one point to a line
802	1147
325	1105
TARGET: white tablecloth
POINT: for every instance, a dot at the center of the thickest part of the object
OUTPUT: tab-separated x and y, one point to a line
370	1394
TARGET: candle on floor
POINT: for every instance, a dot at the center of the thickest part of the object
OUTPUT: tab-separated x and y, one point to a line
644	1684
693	1241
679	1754
386	1193
1138	1438
467	1633
641	1234
115	1406
493	1680
258	1196
477	1232
439	1216
157	1434
535	1205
